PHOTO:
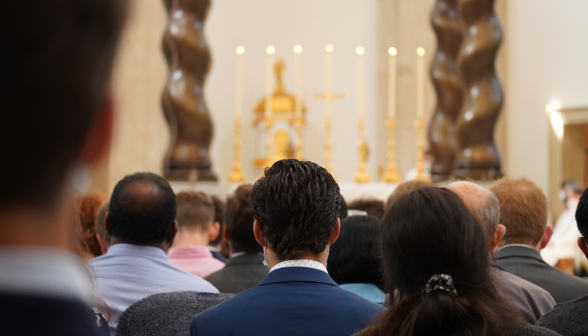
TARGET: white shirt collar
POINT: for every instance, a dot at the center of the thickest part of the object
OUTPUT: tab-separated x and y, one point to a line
46	272
521	245
300	263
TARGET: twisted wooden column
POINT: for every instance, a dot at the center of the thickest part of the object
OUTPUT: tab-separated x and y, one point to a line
478	156
447	84
183	101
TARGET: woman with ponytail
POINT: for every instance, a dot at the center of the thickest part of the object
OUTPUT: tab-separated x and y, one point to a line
436	261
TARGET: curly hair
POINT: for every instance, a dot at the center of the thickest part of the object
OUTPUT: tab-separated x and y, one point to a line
297	205
88	208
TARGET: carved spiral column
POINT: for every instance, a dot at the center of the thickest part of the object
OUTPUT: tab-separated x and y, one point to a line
447	84
183	101
478	156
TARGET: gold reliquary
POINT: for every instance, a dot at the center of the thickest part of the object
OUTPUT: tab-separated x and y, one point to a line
279	131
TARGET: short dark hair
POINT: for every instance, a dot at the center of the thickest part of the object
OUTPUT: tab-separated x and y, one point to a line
343	210
55	69
219	217
355	256
373	207
582	214
239	217
297	205
142	209
195	210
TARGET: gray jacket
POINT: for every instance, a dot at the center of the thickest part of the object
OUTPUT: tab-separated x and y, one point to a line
240	273
527	263
568	318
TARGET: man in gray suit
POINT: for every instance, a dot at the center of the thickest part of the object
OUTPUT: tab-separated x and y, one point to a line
523	210
531	300
245	268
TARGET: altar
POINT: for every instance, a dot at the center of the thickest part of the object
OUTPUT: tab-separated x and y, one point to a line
349	190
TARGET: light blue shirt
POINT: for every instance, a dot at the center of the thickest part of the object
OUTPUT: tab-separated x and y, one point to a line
367	291
128	273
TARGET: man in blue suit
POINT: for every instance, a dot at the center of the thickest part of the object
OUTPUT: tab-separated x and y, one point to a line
296	206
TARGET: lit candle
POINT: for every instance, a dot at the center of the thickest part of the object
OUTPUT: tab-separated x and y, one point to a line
328	80
269	81
420	79
360	85
392	83
298	65
239	83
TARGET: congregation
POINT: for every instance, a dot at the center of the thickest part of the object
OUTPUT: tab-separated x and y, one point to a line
285	255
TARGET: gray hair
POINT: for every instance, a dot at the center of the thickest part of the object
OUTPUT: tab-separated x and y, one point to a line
488	214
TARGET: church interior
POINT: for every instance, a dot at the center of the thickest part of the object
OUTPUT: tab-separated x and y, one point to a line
210	92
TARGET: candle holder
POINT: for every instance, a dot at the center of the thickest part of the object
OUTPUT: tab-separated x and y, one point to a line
298	152
391	172
420	154
237	173
268	142
361	176
328	148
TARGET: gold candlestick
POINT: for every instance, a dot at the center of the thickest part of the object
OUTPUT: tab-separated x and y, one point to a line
328	147
298	151
420	155
237	173
269	155
391	173
361	176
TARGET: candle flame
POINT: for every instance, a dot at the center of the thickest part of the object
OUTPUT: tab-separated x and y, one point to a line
359	50
420	51
271	50
298	48
329	48
392	51
240	50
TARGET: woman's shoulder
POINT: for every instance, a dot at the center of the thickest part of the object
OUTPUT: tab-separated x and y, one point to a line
530	330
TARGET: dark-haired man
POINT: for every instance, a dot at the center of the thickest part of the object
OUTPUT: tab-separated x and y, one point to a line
56	107
569	318
296	211
141	223
245	268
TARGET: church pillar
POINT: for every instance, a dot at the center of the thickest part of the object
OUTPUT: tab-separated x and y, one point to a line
447	84
478	156
185	109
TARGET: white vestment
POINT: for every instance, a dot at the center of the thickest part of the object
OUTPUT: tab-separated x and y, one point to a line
563	243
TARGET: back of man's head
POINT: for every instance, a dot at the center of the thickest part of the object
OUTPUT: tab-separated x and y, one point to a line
219	217
573	187
55	69
403	188
297	205
523	210
142	209
373	206
481	202
582	214
195	211
239	218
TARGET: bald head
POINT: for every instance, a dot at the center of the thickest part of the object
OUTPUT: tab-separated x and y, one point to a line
481	202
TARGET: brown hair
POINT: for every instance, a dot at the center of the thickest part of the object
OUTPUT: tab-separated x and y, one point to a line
55	73
239	217
374	207
219	217
195	209
88	207
403	188
523	210
100	223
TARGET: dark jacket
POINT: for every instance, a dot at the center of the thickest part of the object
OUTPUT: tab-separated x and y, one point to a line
527	263
32	315
289	301
568	318
216	255
240	273
166	314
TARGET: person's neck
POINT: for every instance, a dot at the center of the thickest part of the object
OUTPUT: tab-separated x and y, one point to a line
191	238
163	245
273	260
536	248
50	226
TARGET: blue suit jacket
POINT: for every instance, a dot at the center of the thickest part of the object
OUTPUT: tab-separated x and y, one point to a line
289	301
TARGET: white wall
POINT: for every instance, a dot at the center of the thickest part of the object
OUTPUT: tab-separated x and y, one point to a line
255	24
547	59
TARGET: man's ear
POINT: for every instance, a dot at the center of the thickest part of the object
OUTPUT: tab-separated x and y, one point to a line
336	232
107	224
258	233
546	237
214	231
172	233
497	237
582	245
97	142
102	242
